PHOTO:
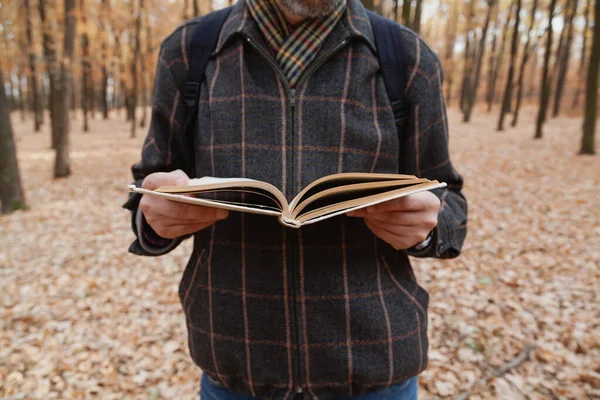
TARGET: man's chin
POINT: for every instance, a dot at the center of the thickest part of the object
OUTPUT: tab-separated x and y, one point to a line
309	8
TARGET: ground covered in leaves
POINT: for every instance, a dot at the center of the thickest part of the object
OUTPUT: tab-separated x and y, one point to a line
81	318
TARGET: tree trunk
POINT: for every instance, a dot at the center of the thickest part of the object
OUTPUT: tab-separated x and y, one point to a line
32	79
496	60
471	94
85	67
196	8
586	25
52	69
416	26
396	7
545	88
591	95
105	58
61	165
451	26
186	7
514	47
134	65
406	12
524	60
145	59
467	66
21	93
12	196
563	61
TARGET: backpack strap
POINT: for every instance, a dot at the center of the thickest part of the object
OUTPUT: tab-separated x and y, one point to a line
203	43
393	62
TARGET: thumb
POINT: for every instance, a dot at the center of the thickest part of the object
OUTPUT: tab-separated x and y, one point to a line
181	177
158	179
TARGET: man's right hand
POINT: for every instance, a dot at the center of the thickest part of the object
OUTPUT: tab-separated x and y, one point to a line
171	219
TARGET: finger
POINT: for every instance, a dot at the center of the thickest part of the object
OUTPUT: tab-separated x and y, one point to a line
405	218
157	207
398	230
175	231
413	202
158	179
397	242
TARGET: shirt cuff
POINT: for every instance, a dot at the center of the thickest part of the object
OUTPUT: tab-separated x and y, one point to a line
149	240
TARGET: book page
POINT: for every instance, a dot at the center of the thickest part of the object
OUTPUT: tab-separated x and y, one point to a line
353	191
209	183
356	204
231	206
348	178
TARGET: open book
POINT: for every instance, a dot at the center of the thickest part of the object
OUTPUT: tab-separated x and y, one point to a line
324	198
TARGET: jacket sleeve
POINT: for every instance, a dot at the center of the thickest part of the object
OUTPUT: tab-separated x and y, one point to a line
424	147
165	148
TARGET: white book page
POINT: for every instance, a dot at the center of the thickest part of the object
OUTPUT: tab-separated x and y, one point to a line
211	180
206	202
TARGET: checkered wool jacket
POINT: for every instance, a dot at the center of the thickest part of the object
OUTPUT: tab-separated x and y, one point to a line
328	309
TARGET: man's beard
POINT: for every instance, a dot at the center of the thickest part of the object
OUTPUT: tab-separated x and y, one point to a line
310	8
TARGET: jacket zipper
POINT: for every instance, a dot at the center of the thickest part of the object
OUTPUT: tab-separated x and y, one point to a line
297	380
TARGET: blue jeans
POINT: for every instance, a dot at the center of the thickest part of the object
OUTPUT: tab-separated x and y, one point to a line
407	390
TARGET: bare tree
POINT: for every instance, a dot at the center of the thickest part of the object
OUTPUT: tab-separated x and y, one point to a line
524	60
186	7
85	66
406	12
545	89
32	79
468	64
416	25
61	165
51	68
591	96
473	82
514	46
451	28
105	57
582	59
196	8
144	64
12	196
496	61
564	56
134	64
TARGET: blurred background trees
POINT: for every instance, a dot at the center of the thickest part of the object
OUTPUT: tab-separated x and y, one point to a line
77	60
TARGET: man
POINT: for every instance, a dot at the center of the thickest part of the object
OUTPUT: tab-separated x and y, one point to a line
292	93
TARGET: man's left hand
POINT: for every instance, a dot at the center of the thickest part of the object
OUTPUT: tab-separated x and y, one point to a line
402	222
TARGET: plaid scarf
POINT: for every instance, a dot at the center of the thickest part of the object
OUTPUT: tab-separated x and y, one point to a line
294	49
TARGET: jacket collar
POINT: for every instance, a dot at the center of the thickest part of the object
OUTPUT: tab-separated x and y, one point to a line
355	22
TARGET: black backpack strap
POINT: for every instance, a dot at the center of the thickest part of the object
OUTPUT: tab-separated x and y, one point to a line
203	43
393	61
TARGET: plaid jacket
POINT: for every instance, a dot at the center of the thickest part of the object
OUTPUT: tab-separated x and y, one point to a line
328	309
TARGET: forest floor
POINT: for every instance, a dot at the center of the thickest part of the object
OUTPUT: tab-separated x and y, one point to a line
82	318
